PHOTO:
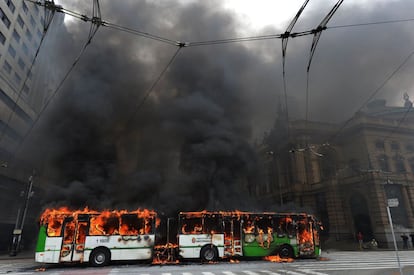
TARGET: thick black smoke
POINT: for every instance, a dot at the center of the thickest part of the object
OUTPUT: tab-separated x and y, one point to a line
189	146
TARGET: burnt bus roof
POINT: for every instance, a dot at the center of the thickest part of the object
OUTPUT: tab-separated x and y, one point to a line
197	214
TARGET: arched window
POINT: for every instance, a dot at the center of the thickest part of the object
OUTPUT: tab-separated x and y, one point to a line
383	163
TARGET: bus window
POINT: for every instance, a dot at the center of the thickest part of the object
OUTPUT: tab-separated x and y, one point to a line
131	225
191	225
248	226
104	224
82	232
264	224
213	224
69	232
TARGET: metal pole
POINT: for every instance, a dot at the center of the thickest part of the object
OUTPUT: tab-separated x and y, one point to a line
18	229
393	238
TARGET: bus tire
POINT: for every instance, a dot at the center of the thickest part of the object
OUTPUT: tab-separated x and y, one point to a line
208	253
100	257
285	251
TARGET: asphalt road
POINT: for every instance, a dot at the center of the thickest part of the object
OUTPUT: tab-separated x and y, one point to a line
333	263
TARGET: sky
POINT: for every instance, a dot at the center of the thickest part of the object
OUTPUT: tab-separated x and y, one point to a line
110	129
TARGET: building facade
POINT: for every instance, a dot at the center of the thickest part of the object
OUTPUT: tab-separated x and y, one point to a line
345	173
21	31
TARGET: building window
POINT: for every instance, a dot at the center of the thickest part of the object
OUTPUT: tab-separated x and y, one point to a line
12	51
10	5
7	67
395	145
25	49
379	144
29	35
21	64
383	163
17	79
410	148
26	89
25	9
36	9
411	161
399	164
2	38
4	18
32	21
16	36
20	21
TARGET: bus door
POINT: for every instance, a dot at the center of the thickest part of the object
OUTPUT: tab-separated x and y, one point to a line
232	237
68	231
81	231
74	235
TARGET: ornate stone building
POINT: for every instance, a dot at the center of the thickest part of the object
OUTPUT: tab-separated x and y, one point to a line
345	173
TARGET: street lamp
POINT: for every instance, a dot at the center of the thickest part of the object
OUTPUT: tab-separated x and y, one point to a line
18	228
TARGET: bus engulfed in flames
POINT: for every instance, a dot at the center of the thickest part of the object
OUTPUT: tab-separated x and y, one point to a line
99	237
96	236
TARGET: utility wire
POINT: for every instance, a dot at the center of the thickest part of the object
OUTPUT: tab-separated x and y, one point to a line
94	28
48	20
107	24
373	94
285	38
316	36
372	23
151	88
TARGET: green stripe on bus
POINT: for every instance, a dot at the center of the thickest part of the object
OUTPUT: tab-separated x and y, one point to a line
115	248
41	239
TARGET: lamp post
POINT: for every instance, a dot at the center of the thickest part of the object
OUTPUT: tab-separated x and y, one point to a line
21	217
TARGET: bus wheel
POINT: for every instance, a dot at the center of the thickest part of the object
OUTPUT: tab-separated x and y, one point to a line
99	257
285	251
208	253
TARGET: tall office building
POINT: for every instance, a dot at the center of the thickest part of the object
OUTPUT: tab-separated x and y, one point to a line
21	30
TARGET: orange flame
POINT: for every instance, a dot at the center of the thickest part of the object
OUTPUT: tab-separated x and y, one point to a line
277	259
101	223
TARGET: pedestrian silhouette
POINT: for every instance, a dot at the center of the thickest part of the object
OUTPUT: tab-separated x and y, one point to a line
404	237
360	238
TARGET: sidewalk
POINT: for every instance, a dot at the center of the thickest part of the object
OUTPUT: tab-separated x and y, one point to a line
27	255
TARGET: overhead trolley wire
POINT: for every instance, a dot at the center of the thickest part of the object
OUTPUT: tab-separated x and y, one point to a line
372	23
285	38
317	32
109	24
95	24
153	85
373	94
48	19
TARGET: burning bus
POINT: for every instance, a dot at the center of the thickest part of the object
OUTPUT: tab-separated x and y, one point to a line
99	237
95	237
213	235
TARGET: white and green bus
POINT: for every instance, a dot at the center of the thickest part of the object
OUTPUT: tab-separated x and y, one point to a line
95	237
212	235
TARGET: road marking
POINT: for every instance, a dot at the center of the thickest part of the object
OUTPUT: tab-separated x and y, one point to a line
269	272
228	273
289	272
185	273
250	272
307	271
208	273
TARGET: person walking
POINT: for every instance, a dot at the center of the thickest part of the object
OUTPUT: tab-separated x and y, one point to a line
404	237
360	238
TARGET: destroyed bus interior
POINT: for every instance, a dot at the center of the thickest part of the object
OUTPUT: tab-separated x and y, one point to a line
213	235
98	237
95	237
